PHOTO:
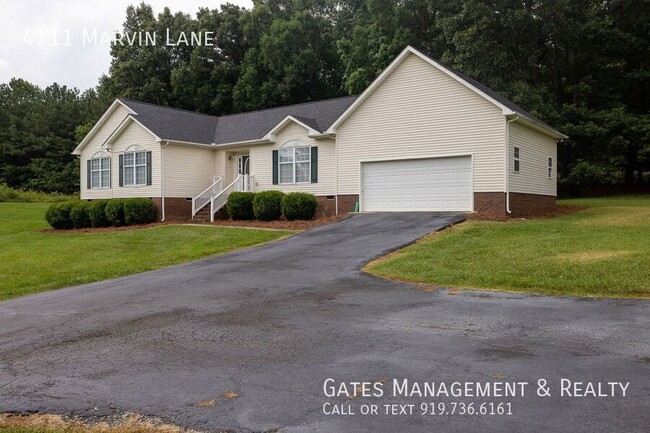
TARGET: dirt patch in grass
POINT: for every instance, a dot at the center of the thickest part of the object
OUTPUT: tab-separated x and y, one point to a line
281	224
48	423
591	256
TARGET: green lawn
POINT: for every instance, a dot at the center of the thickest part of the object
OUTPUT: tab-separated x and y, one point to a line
32	261
603	251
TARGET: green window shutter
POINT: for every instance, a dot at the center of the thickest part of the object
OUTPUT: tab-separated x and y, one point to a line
88	174
121	170
148	168
275	167
110	172
314	165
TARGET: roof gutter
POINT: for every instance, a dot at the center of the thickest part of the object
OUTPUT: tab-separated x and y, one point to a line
507	162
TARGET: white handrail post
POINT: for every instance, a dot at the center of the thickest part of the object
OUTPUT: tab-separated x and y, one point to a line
212	209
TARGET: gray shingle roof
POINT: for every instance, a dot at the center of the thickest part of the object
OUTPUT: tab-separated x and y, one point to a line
180	125
253	125
174	124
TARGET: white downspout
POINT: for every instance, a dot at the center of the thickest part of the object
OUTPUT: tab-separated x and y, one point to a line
336	181
162	180
507	159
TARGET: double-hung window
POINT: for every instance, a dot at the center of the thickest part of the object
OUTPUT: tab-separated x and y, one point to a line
515	153
135	168
550	168
295	165
100	172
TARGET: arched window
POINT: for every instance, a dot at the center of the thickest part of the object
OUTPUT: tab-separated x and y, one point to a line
134	166
99	171
294	163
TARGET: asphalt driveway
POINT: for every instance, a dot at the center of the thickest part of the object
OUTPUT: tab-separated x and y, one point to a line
272	323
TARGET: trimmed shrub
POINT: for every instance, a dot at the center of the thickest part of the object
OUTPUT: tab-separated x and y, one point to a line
79	214
299	206
97	213
267	205
58	215
139	211
240	205
114	212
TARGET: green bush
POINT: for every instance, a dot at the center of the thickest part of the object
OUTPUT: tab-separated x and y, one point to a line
97	213
267	205
139	211
299	206
592	174
79	214
240	205
115	212
58	215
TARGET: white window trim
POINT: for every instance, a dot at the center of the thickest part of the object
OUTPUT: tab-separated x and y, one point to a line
549	167
135	183
100	157
293	164
516	159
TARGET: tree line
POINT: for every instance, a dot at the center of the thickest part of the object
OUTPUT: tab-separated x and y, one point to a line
583	66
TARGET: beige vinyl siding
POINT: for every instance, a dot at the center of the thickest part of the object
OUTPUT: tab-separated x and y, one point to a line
93	146
134	134
534	150
421	112
261	162
188	170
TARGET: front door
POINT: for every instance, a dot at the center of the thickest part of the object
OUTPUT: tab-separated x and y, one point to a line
243	165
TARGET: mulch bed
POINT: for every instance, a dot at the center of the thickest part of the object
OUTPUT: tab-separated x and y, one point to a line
277	225
280	224
104	229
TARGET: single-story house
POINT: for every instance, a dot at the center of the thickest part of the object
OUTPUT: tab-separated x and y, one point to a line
421	137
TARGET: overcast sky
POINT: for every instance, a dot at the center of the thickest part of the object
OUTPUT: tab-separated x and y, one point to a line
51	23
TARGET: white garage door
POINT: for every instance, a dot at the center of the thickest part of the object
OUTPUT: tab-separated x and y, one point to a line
434	184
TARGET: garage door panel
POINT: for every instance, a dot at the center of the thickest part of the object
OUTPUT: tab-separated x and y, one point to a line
423	184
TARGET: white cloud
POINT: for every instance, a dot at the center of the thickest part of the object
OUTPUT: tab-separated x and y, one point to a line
34	36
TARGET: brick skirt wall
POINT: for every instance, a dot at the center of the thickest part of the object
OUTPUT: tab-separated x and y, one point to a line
493	204
176	208
327	204
490	205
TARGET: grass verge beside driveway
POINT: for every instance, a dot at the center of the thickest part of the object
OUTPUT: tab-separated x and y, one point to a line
602	251
32	261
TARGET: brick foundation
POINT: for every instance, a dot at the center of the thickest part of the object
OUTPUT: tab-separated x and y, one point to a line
490	205
327	206
493	204
528	205
176	208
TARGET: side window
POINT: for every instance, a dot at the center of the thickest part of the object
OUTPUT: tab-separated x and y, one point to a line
99	172
550	168
515	153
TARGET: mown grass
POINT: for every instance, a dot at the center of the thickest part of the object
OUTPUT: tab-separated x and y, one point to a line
10	195
33	261
602	251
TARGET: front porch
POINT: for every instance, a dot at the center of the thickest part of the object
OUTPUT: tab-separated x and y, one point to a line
236	177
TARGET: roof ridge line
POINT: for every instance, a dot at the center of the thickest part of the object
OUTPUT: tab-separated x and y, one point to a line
168	107
288	105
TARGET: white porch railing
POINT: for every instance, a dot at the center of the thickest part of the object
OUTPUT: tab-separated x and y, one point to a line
243	182
207	195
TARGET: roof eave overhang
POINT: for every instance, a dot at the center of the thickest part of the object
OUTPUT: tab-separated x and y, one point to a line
535	125
243	143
